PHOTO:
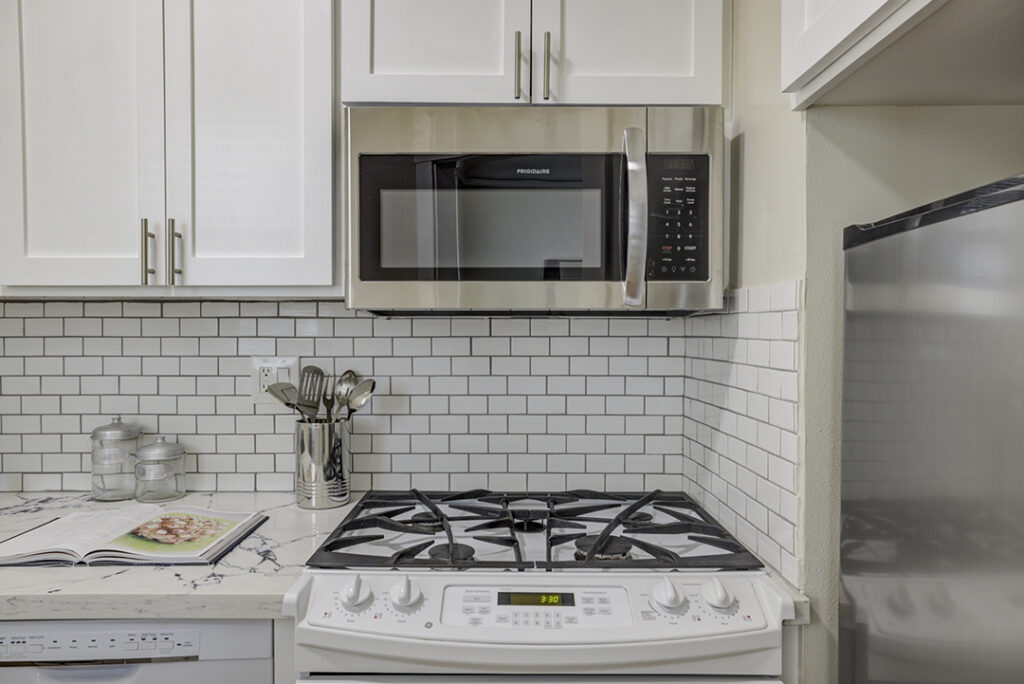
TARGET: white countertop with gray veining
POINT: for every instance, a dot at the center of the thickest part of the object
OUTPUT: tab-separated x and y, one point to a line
249	582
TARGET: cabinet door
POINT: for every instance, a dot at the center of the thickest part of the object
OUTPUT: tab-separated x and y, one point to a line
435	51
637	52
81	140
815	32
249	141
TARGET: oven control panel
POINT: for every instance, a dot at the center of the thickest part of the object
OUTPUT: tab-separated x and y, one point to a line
27	642
568	609
678	198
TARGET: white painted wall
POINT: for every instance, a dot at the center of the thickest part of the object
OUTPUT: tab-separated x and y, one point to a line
863	164
767	202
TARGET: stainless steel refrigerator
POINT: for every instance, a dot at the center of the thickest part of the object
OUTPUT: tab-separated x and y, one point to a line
932	542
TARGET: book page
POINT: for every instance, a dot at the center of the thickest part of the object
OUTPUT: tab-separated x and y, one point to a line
173	532
77	533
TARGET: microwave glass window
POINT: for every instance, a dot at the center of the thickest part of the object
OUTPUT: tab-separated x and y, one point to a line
490	217
521	229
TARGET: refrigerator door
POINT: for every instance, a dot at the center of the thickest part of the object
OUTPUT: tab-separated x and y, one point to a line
932	548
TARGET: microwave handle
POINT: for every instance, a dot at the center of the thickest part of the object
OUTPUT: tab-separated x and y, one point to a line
634	145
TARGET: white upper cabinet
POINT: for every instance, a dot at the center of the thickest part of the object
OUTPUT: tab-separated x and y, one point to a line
206	125
540	52
902	52
815	32
249	141
637	52
435	51
81	140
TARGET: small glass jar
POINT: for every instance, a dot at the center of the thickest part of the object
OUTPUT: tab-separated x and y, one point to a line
113	460
160	471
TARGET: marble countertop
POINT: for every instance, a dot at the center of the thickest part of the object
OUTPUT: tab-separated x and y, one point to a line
249	582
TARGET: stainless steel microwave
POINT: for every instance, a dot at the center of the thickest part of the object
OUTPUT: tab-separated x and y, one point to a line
570	210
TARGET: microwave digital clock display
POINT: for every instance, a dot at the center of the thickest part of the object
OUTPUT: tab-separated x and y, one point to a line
679	164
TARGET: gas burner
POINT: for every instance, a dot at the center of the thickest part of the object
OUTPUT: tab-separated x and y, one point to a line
640	517
528	526
458	552
427	521
616	548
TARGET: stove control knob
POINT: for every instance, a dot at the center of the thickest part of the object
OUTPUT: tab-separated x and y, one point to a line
406	594
667	598
716	595
357	594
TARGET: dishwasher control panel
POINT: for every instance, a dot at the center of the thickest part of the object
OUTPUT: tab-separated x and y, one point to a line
21	643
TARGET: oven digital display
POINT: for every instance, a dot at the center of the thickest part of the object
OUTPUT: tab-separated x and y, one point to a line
528	598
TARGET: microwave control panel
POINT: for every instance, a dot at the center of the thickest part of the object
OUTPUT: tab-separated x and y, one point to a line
678	193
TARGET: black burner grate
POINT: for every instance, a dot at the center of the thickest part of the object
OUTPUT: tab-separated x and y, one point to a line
502	518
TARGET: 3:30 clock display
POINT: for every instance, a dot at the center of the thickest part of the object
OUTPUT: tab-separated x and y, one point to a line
529	598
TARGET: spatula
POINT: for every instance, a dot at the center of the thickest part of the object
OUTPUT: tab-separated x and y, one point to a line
311	390
284	392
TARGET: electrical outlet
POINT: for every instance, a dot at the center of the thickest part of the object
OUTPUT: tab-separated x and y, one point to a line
266	370
268	376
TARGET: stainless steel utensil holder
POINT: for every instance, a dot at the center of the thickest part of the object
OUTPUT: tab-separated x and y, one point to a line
323	463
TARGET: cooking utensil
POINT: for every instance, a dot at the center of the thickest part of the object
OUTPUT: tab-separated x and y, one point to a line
284	392
346	382
311	390
328	397
360	394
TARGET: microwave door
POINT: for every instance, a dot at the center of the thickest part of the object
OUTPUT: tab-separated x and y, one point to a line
527	231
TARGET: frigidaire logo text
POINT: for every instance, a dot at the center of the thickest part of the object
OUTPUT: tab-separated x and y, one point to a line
534	172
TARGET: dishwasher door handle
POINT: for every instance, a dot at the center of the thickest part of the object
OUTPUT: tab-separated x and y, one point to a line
128	673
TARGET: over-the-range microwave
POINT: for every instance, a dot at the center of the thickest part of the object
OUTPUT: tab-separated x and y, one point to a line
539	210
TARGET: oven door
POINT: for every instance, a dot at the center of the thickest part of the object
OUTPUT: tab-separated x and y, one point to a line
487	209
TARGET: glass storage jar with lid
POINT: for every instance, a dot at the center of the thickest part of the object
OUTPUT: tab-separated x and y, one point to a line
160	471
114	447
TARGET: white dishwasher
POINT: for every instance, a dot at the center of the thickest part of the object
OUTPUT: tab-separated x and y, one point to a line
137	651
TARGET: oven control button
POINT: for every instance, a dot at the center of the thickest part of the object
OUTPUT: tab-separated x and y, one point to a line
716	595
406	595
357	594
667	598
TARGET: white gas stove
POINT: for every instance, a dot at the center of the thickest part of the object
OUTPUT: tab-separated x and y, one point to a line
515	584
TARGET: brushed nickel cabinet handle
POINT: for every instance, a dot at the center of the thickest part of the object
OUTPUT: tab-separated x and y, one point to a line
547	65
172	270
519	43
146	237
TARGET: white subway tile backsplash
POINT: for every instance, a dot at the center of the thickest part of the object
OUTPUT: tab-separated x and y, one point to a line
740	420
706	404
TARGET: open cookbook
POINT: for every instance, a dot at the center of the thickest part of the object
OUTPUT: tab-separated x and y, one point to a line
139	534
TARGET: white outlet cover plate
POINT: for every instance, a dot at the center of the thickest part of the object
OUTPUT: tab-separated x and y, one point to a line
285	369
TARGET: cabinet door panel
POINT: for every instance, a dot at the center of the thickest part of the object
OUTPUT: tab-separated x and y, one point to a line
81	124
434	50
641	52
249	141
815	32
